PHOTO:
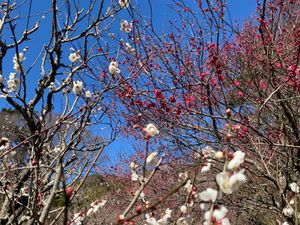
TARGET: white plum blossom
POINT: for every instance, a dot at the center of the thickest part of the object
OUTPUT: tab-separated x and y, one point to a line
182	176
18	63
88	94
134	176
77	87
57	149
95	206
142	196
125	26
98	203
225	221
294	187
12	76
17	68
206	167
13	82
90	212
209	195
219	155
74	57
52	86
152	159
21	58
188	186
207	216
288	211
183	209
151	130
78	218
124	3
285	223
197	155
113	68
133	166
207	151
163	221
150	220
229	183
219	215
129	50
238	159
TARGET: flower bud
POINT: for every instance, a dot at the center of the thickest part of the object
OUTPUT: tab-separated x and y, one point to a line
228	112
138	209
120	218
69	192
183	209
219	155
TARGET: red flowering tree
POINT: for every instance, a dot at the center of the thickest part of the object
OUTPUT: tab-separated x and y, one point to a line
207	83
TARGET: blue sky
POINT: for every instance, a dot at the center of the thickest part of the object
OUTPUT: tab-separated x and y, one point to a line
240	10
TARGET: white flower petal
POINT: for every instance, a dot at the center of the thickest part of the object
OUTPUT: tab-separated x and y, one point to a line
238	159
209	195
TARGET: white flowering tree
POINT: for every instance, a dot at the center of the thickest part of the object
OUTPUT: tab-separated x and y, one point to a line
46	82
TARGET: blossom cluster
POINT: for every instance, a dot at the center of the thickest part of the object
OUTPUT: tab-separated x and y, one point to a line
229	181
151	130
13	82
17	60
80	216
74	57
77	87
125	26
163	221
114	68
288	211
124	3
129	50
